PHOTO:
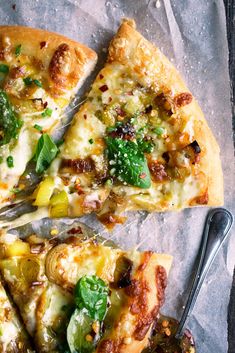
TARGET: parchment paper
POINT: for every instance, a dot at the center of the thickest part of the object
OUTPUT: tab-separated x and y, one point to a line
193	35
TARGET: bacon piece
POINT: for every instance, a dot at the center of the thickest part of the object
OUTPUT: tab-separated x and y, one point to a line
124	131
183	99
79	165
162	102
16	72
103	88
158	171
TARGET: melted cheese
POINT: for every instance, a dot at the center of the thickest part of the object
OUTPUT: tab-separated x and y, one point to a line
116	85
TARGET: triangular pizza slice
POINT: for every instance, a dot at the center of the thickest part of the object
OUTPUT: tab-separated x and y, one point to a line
13	336
40	73
78	294
139	142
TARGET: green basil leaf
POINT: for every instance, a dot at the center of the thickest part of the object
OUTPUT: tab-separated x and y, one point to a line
91	294
79	327
128	162
4	68
28	81
37	83
145	146
10	124
46	151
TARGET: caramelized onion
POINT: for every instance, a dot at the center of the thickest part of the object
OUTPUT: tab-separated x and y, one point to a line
52	263
30	268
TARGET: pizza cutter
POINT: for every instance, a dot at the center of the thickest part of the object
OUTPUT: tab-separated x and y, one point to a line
171	336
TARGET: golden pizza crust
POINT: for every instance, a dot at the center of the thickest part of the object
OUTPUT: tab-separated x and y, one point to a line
132	328
63	61
153	69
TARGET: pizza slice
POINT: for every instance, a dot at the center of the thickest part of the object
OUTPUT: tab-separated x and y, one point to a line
40	73
139	142
13	337
78	294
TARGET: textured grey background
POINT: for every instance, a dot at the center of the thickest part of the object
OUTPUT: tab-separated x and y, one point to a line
193	35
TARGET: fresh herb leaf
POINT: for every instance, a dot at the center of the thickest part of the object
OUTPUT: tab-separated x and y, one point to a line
46	151
91	294
145	146
59	142
4	68
78	331
159	130
91	141
10	124
47	112
10	162
128	162
37	83
18	50
38	127
29	81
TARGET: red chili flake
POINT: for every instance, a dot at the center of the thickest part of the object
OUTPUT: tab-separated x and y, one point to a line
143	175
85	116
43	44
110	99
14	6
77	230
103	88
45	104
101	76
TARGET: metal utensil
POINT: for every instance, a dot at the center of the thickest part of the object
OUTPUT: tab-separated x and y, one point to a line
171	335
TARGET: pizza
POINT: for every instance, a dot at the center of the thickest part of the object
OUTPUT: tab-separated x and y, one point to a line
76	293
40	72
13	336
139	142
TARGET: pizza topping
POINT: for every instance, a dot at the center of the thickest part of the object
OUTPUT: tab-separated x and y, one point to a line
47	112
16	72
122	274
195	147
79	165
46	151
29	81
183	99
18	50
158	171
10	162
10	124
84	329
103	88
4	68
162	101
124	131
91	295
127	162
